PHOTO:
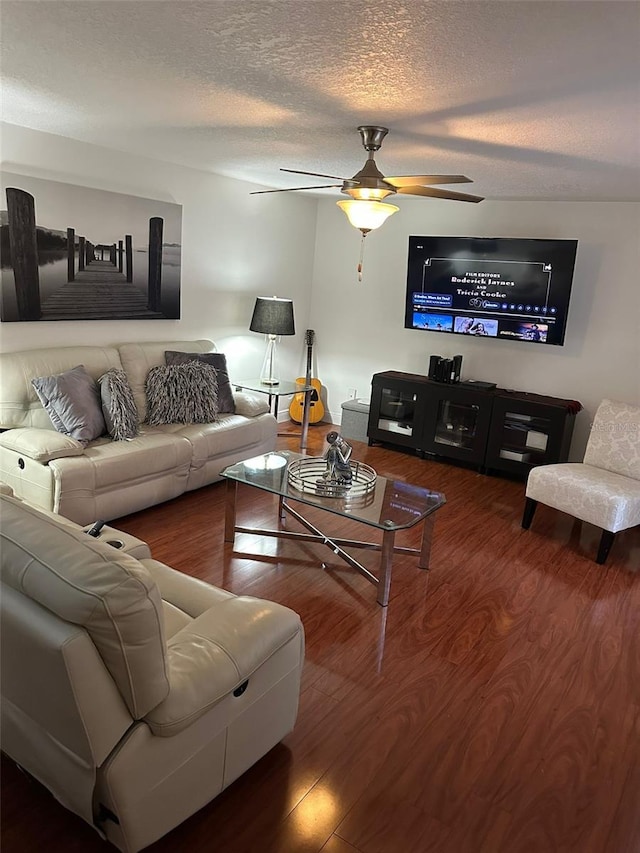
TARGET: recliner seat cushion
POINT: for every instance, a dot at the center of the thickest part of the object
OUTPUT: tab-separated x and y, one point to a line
212	440
115	462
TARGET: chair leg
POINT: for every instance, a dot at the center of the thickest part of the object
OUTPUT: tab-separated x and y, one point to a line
529	509
606	541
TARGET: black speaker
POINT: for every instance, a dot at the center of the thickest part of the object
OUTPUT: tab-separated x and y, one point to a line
434	361
457	368
444	370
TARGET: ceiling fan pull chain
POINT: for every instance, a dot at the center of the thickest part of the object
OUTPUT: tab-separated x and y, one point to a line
361	261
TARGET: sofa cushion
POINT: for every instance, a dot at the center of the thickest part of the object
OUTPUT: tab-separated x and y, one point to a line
182	393
115	478
218	360
90	584
71	400
19	403
211	441
118	406
138	359
107	463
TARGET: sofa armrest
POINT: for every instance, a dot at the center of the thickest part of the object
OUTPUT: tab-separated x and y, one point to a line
191	595
250	405
216	653
41	445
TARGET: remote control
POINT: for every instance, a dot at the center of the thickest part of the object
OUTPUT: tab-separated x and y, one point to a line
97	527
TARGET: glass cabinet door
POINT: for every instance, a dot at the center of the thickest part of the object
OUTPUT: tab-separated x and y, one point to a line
456	424
524	438
397	411
525	433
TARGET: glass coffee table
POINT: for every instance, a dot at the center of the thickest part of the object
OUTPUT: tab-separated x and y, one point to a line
388	505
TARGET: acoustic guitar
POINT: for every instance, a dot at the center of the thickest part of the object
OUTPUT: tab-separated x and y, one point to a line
316	409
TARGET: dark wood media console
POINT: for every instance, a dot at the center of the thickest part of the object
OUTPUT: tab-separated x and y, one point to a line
493	429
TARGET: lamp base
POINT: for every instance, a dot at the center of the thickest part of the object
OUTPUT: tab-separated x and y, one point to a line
269	372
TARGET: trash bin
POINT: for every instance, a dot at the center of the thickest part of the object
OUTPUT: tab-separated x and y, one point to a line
355	418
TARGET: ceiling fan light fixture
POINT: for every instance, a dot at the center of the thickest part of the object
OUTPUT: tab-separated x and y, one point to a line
368	193
366	215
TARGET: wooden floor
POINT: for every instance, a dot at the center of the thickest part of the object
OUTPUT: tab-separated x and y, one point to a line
493	707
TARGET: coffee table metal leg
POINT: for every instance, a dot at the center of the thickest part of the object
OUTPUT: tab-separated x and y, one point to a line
427	535
386	558
231	494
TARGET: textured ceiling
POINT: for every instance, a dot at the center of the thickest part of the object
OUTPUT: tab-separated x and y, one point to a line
532	100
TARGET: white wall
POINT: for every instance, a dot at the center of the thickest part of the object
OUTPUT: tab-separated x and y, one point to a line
234	247
360	326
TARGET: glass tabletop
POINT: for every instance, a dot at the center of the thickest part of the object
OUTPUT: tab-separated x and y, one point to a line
282	389
389	505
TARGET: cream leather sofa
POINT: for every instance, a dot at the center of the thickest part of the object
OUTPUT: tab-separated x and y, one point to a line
108	479
133	692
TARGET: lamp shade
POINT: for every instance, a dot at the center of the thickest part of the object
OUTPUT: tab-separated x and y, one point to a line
366	215
273	316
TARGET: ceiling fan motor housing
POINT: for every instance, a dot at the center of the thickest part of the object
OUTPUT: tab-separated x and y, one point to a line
372	136
369	183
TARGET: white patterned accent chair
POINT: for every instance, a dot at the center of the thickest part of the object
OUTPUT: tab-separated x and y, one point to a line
603	489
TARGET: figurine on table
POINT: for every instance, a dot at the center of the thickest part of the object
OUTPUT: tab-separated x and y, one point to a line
337	458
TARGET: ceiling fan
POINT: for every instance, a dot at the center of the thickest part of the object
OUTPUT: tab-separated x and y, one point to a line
369	184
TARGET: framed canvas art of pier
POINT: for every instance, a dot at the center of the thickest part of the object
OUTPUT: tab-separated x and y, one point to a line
75	253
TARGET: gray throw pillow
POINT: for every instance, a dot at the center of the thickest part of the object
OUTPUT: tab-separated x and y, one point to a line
118	405
182	394
218	360
72	401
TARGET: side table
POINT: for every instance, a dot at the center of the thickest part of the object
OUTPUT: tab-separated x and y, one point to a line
282	389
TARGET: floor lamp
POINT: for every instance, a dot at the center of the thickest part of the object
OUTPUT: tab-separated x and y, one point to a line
273	317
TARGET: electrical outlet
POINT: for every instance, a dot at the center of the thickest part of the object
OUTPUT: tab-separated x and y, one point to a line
352	393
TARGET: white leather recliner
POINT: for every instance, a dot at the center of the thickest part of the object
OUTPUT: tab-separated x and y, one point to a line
133	692
604	489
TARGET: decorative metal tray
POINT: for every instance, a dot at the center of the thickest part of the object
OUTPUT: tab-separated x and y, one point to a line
306	475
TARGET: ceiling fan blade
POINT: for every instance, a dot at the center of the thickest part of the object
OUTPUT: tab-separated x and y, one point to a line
416	180
295	189
432	192
315	174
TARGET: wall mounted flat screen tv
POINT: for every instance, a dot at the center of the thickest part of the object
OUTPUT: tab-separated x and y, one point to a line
498	287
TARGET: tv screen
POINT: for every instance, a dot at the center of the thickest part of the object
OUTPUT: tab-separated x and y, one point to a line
496	287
